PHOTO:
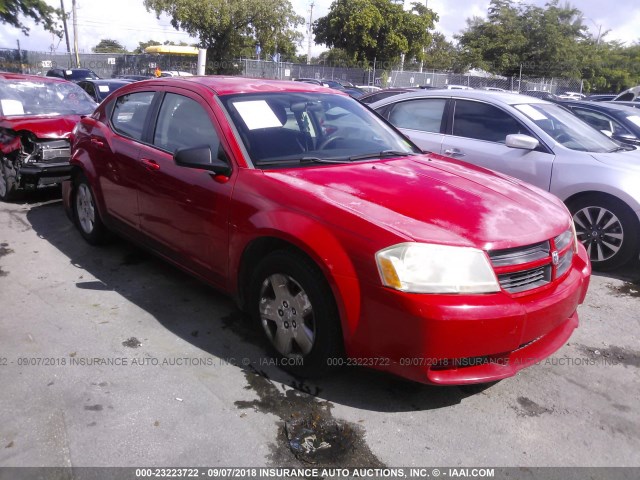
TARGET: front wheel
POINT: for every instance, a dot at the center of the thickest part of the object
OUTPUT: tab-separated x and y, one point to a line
8	183
293	304
86	214
607	228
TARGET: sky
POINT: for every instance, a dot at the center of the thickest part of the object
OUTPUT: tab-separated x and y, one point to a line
128	22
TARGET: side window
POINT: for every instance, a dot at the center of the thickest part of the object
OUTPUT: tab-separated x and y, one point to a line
484	122
424	115
183	122
601	122
130	112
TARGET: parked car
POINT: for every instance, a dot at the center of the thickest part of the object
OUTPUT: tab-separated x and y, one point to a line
616	121
73	74
457	87
344	86
98	90
571	96
540	143
313	81
175	73
629	95
134	77
330	228
37	115
601	97
372	97
542	95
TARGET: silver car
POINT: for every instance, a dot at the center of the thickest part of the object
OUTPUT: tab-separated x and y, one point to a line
541	143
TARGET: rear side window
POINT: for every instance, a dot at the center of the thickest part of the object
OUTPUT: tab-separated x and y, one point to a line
130	112
424	115
484	122
183	123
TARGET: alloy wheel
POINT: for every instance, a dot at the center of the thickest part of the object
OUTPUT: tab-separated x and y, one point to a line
85	208
287	316
600	231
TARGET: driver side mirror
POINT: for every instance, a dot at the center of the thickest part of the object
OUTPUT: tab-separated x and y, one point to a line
200	157
524	142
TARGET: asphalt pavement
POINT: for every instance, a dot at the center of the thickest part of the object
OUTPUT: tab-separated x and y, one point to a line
111	357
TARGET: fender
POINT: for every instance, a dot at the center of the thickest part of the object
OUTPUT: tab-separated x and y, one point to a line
314	239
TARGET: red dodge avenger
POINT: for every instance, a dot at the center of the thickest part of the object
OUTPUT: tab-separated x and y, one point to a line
345	242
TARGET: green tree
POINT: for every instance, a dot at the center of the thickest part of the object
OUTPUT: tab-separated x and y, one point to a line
376	29
11	12
546	41
142	45
229	29
108	45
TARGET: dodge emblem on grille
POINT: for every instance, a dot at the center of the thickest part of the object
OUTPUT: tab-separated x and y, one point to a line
555	258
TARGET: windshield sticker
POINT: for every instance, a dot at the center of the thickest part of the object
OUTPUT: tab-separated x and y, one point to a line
531	112
12	107
103	88
634	119
257	114
68	72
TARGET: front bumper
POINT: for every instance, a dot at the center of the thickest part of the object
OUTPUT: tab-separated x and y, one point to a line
461	339
43	174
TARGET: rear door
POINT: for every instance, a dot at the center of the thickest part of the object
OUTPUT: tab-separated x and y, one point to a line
478	133
117	162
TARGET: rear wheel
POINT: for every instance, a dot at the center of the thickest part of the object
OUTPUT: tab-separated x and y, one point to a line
86	214
8	183
294	306
607	228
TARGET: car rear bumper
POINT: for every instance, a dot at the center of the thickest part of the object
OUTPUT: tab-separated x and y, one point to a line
461	339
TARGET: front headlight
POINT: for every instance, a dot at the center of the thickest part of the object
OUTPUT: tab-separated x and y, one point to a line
429	268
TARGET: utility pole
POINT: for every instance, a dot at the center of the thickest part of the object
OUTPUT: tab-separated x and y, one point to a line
309	35
64	24
75	32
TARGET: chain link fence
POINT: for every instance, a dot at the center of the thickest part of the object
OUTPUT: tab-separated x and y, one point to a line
108	65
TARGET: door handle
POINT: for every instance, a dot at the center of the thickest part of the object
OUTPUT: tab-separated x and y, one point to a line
150	164
454	152
97	143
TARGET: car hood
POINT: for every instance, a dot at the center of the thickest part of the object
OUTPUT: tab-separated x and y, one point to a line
43	126
429	198
629	160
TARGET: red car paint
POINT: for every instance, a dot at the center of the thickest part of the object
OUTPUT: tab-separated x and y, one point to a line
59	126
340	216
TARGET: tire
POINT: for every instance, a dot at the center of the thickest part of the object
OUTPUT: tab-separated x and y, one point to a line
86	214
607	228
292	304
8	183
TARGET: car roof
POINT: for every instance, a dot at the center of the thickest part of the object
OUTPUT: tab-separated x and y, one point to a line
24	76
225	85
504	98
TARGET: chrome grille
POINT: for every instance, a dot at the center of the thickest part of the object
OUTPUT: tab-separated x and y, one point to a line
516	282
520	255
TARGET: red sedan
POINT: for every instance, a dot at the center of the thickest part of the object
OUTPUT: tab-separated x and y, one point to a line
345	242
37	115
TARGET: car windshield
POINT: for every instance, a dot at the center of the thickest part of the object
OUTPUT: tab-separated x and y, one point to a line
297	128
567	129
33	97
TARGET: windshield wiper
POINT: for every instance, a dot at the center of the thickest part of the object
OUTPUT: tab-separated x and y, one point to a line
382	154
299	161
